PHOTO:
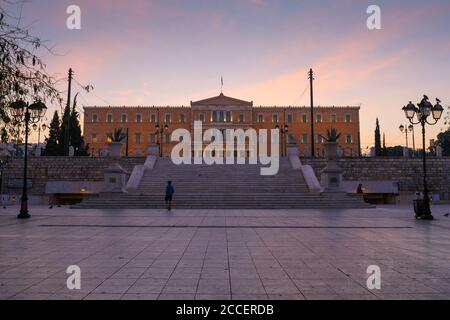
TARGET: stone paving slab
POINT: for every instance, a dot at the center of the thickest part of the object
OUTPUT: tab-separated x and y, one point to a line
224	254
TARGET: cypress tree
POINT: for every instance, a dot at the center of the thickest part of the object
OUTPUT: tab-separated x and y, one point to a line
63	140
53	147
378	150
76	139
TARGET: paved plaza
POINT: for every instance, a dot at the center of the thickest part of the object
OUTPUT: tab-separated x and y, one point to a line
224	254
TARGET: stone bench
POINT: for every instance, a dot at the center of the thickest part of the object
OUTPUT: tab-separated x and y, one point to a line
71	192
375	192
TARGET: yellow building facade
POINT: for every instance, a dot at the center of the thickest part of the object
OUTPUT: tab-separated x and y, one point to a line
220	112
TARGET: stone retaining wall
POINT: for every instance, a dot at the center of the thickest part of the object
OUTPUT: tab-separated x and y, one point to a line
43	169
406	171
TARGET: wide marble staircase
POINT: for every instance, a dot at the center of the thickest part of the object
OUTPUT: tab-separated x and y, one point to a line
223	187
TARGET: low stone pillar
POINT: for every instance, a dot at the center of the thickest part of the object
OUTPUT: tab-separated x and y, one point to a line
331	178
115	179
332	175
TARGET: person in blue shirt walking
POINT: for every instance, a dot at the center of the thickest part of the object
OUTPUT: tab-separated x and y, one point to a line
170	190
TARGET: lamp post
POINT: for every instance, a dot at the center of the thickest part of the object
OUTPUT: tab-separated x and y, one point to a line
284	130
160	130
423	110
411	129
405	130
37	128
22	111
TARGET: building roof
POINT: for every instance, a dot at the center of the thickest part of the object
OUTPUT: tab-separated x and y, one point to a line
254	107
222	100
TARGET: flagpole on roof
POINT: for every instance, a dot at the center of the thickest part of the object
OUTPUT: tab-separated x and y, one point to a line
221	81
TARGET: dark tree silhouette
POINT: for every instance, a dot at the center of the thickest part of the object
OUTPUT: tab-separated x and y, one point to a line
53	147
76	139
23	74
444	142
378	150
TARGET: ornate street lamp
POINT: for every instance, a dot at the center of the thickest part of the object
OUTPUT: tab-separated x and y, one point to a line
22	111
405	130
160	130
37	128
423	111
411	129
284	131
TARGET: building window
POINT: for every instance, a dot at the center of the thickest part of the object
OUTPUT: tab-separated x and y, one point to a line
229	117
214	116
305	138
291	138
94	138
167	138
275	118
137	137
349	139
348	118
152	138
168	118
109	118
304	118
202	117
333	118
94	118
109	137
241	118
289	118
124	118
221	116
319	118
153	118
138	118
319	138
182	118
260	118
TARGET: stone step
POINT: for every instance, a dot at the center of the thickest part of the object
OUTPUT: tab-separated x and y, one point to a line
223	187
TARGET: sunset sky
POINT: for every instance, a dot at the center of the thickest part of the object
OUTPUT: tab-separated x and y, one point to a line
148	52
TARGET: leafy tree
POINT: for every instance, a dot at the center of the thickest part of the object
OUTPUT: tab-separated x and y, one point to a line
22	72
119	135
447	118
53	147
378	150
444	142
332	135
396	151
4	135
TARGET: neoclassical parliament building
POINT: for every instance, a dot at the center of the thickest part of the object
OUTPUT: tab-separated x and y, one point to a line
220	112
